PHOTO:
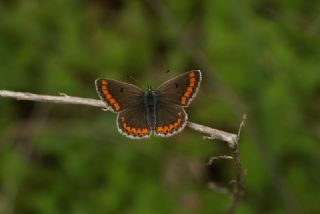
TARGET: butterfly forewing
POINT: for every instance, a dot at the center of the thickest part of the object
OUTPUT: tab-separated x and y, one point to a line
181	89
119	95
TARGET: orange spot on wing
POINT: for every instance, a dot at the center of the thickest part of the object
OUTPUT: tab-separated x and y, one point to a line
171	126
191	84
104	82
133	130
165	128
189	89
108	96
105	91
139	131
116	106
112	101
124	125
144	131
183	100
176	124
192	79
180	113
191	74
187	94
128	129
160	129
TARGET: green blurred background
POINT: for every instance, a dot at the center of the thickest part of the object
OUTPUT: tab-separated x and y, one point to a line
259	57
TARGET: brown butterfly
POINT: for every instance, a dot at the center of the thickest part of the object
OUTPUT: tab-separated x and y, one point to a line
159	111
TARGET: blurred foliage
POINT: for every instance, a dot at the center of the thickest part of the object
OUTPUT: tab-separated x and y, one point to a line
71	159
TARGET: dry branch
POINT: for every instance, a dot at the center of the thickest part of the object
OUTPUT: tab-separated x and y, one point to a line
210	133
220	157
65	99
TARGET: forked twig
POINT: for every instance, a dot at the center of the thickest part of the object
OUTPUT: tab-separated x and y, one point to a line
238	188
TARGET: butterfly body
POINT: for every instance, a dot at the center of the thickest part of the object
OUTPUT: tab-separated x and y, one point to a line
160	112
150	103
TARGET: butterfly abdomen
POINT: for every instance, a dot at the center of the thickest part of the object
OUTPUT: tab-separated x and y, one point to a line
150	102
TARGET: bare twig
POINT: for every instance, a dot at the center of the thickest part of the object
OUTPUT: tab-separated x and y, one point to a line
240	173
238	183
221	157
212	133
65	99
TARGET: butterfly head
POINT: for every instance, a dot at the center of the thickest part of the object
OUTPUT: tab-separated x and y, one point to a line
150	92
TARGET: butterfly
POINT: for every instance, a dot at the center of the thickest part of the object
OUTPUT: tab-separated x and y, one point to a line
159	112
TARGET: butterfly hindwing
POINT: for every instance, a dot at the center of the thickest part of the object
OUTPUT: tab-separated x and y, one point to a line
181	89
132	123
118	95
171	119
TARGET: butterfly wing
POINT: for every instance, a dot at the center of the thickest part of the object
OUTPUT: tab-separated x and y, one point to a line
118	95
181	89
132	122
171	119
128	100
